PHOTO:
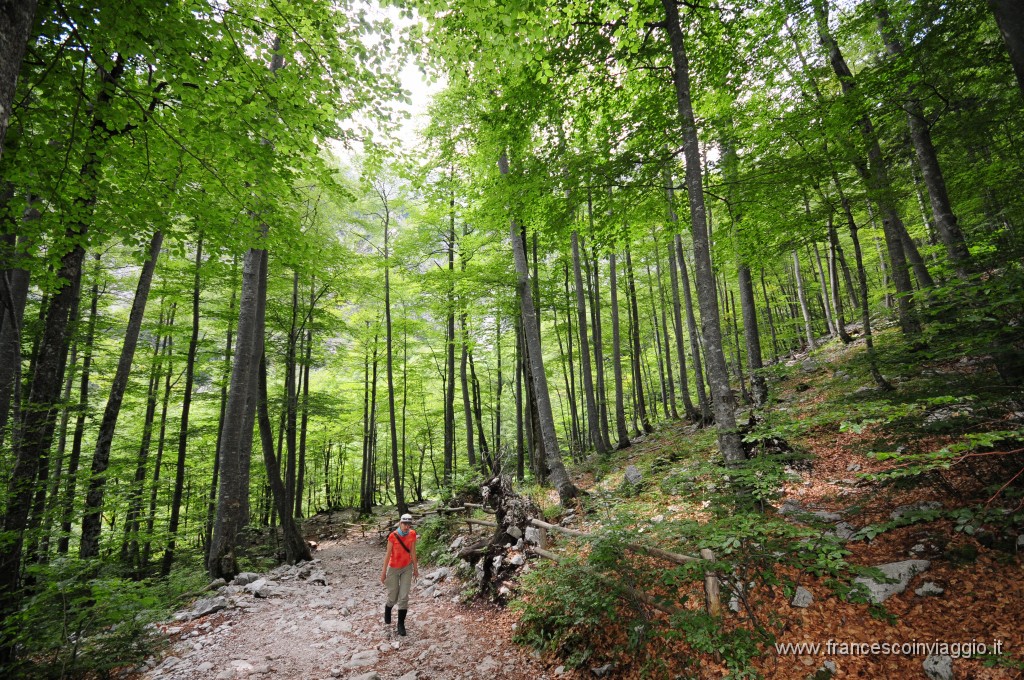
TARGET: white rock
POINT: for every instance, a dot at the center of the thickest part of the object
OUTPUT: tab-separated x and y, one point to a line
939	667
900	572
802	598
930	588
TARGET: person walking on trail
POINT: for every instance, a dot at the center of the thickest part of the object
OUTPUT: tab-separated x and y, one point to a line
400	567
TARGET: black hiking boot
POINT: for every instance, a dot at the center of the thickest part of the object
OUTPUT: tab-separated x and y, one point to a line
387	614
401	621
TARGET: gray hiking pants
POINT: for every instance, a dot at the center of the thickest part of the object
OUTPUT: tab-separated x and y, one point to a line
399	583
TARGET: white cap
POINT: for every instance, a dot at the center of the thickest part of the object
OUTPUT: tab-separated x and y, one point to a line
406	518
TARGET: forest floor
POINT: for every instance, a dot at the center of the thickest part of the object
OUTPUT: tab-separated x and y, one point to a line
310	631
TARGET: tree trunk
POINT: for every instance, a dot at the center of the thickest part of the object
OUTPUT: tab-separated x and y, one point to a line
520	448
691	328
531	326
304	425
723	399
211	505
593	423
802	297
600	391
1009	16
570	386
390	368
239	412
467	406
677	318
638	376
90	546
771	321
826	303
833	276
449	395
752	337
71	475
14	290
620	408
17	19
670	379
295	547
186	407
129	546
161	440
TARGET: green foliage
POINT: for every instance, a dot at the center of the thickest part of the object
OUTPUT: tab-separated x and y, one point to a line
433	535
916	464
569	604
78	624
750	485
465	487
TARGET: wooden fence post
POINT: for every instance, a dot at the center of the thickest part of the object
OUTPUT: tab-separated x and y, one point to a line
711	590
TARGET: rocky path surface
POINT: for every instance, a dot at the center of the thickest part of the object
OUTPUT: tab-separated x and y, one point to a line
325	620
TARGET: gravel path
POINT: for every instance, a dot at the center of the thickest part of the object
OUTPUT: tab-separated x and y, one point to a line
337	631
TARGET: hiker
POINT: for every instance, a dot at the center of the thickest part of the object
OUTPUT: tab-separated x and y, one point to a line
400	566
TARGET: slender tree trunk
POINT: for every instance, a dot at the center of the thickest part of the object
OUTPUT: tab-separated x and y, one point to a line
723	399
13	296
520	448
600	391
477	399
161	440
823	286
566	490
662	384
593	423
71	476
638	376
802	297
752	337
128	544
304	424
833	276
570	387
449	395
390	367
90	545
664	329
211	505
186	407
771	320
620	408
677	319
295	547
467	407
691	328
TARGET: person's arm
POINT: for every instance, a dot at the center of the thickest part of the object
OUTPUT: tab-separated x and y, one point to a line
415	562
387	559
